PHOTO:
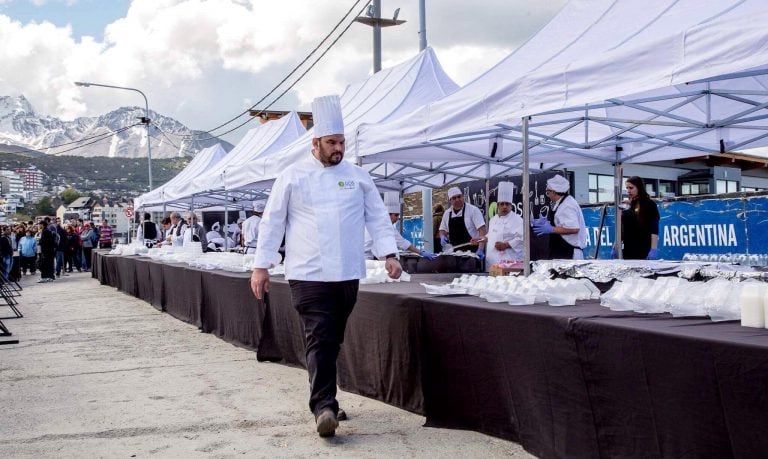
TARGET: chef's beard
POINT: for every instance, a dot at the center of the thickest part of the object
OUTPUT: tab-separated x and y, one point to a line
329	158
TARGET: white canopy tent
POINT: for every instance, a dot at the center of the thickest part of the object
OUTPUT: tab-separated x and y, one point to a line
211	187
203	161
603	81
385	95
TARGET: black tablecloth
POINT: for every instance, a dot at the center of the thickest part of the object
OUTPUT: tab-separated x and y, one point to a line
664	387
183	296
579	381
230	310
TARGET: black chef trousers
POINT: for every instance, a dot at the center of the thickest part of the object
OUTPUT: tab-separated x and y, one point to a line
324	308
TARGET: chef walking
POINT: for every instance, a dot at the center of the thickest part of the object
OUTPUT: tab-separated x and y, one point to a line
564	224
505	230
463	223
323	205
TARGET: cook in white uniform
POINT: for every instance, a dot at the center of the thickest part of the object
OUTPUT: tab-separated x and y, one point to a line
392	203
251	227
323	205
565	222
505	230
463	223
176	233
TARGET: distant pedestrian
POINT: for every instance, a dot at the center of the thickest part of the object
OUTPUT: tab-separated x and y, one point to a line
28	253
105	235
6	251
47	250
61	246
86	238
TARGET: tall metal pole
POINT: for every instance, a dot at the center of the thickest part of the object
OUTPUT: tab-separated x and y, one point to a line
376	36
146	120
526	204
422	25
374	19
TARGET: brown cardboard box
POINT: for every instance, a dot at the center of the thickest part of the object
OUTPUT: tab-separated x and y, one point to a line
496	271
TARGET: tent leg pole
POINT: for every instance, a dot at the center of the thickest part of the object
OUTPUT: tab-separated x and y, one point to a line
426	214
226	221
617	178
526	204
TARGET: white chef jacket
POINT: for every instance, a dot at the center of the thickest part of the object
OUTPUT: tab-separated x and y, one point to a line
508	228
569	215
251	233
402	244
473	219
178	240
323	212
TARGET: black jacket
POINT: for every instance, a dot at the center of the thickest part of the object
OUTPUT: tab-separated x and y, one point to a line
6	249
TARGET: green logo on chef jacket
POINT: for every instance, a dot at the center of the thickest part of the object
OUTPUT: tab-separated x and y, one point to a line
346	184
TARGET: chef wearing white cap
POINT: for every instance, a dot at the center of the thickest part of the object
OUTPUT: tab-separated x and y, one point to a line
323	205
565	222
462	223
505	230
251	227
392	203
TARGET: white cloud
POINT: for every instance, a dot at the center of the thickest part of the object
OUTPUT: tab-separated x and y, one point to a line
200	61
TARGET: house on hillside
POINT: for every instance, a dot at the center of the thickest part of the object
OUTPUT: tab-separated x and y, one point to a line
79	208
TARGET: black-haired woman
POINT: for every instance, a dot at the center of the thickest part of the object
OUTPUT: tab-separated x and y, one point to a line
640	223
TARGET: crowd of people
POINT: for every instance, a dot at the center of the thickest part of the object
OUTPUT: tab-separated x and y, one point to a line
51	246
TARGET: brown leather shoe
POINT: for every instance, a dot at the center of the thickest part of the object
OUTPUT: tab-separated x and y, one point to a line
326	423
341	415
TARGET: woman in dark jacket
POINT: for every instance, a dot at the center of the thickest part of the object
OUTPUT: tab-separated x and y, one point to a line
70	249
640	223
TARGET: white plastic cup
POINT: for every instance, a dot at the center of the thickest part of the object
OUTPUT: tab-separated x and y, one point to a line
752	301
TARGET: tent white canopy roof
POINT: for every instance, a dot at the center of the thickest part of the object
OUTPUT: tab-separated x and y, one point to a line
604	80
259	142
203	161
385	95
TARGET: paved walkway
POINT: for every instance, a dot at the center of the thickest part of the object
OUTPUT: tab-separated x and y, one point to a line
98	373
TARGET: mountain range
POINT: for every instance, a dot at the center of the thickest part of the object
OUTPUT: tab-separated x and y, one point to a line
117	134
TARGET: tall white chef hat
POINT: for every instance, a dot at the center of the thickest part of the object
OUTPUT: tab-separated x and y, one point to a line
326	114
259	206
392	202
558	184
453	191
506	192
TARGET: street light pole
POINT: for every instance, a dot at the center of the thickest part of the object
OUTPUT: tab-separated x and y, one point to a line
144	120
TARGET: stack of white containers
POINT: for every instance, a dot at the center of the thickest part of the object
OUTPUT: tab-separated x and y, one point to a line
754	305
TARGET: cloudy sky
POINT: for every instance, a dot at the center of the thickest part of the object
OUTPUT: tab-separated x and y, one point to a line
204	61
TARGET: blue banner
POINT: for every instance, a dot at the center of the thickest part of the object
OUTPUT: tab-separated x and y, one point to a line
706	226
413	230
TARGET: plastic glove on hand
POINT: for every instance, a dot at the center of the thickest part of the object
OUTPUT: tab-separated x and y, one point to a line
428	255
481	253
443	240
653	254
542	227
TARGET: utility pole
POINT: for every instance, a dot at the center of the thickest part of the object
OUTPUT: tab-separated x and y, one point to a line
373	18
422	25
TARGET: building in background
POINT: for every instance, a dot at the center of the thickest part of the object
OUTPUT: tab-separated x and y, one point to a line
12	191
33	178
115	215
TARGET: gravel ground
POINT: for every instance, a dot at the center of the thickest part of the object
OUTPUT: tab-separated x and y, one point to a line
98	373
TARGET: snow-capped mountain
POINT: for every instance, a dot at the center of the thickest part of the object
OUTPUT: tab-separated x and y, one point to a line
116	134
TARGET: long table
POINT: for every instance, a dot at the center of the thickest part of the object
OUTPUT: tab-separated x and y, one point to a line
577	381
